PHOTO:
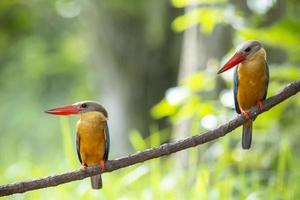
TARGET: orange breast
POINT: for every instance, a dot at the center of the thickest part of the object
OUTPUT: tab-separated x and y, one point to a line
90	130
252	82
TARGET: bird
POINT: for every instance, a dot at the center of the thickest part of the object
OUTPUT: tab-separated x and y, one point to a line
92	138
250	82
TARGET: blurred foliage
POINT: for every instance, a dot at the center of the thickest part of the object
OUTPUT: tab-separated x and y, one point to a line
44	62
208	14
185	3
205	16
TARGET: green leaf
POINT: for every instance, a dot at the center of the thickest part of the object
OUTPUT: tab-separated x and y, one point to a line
206	17
163	109
185	3
137	140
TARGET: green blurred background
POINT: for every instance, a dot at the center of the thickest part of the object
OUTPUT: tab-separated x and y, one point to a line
153	65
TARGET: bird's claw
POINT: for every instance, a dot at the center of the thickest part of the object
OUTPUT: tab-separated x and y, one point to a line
260	104
83	166
245	114
102	166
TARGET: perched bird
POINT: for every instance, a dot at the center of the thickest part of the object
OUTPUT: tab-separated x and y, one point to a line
251	79
92	138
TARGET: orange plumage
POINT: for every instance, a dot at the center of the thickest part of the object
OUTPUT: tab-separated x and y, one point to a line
91	137
252	77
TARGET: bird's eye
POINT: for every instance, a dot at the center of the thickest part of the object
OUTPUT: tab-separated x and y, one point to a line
248	49
84	105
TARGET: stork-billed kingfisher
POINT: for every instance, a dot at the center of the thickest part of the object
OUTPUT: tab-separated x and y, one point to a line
92	138
251	79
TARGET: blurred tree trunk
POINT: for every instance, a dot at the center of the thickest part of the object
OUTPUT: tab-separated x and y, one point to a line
134	54
189	64
197	50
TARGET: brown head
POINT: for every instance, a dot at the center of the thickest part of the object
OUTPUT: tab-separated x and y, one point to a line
79	108
245	51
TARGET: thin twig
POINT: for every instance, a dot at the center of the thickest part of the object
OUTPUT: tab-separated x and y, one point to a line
165	149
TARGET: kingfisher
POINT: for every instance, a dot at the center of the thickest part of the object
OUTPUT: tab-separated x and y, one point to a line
92	138
250	82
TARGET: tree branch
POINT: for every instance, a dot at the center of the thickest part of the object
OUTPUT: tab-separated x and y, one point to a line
165	149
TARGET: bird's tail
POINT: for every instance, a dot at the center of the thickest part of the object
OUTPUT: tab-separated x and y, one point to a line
247	135
96	181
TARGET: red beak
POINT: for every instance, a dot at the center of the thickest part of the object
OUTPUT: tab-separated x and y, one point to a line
65	110
233	61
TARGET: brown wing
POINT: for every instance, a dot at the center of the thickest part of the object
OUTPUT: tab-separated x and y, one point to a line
78	147
107	141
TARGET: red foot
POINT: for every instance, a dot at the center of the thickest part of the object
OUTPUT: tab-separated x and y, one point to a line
102	165
83	166
245	114
260	104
